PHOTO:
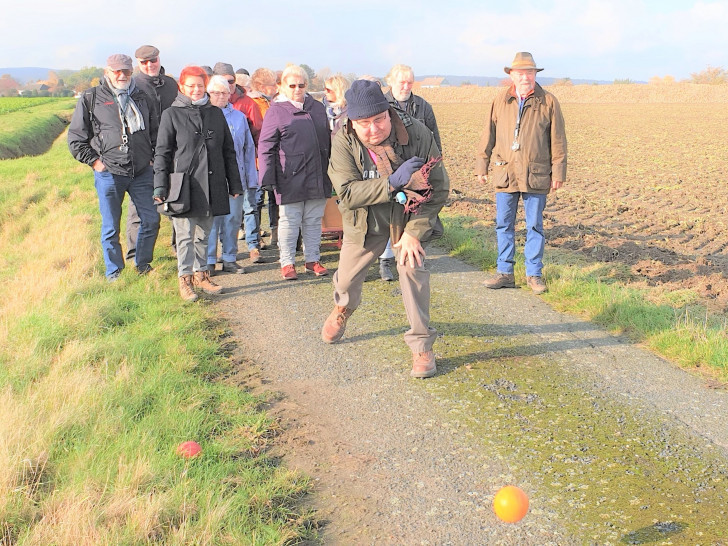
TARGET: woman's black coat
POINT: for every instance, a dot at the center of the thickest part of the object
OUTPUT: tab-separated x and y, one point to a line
197	139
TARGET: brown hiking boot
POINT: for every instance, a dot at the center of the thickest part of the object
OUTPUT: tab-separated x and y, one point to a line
185	288
423	364
202	281
335	324
501	280
255	256
536	284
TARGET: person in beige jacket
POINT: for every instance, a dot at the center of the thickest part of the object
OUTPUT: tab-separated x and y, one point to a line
523	147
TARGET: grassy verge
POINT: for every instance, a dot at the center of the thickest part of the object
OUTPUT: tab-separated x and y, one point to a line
32	130
673	325
100	382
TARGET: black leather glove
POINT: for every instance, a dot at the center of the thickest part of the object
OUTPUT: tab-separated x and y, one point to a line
402	175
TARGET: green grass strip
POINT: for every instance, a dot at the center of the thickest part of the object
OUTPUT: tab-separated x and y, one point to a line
32	130
674	326
100	382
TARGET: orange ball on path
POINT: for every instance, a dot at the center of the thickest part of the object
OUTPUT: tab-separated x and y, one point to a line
510	504
189	449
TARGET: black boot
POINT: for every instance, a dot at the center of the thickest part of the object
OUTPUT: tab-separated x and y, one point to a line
385	271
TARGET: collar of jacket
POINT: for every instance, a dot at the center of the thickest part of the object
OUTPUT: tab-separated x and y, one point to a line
536	93
308	100
400	131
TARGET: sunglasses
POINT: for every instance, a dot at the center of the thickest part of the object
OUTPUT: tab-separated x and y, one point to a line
147	61
294	85
231	81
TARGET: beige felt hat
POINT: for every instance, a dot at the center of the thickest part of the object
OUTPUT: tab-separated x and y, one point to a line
522	61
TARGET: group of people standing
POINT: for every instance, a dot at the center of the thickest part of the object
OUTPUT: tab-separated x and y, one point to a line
226	140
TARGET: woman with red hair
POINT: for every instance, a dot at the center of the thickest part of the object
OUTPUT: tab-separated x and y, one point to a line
194	138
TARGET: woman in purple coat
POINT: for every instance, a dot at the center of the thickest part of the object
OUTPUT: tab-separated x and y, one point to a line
293	157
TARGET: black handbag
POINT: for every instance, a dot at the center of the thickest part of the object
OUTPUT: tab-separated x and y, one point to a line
178	200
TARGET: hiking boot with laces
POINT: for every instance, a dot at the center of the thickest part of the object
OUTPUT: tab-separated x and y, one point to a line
185	288
536	284
423	364
316	268
201	280
289	272
335	324
501	280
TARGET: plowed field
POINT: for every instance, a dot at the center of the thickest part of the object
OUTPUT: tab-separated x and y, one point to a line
646	183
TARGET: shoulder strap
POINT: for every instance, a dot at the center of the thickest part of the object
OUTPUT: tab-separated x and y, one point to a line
90	107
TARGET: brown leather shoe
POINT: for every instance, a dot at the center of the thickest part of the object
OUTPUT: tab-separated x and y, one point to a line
255	256
202	281
536	284
185	288
335	324
501	280
423	364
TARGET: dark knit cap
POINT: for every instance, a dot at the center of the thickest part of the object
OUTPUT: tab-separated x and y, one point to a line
223	69
365	99
146	52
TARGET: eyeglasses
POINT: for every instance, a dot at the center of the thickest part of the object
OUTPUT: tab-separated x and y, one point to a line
147	61
231	81
378	122
294	85
124	71
219	93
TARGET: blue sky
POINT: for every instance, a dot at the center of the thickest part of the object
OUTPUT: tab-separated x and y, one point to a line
605	40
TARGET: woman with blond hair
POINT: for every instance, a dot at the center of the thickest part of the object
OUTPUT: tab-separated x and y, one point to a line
293	158
334	100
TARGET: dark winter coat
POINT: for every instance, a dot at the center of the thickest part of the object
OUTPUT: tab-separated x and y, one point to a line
420	109
293	151
197	139
96	132
162	89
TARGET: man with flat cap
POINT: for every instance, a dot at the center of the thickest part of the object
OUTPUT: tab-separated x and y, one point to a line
524	148
112	130
376	158
162	89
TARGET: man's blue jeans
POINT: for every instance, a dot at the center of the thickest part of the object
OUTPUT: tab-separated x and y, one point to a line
111	189
225	228
506	207
251	218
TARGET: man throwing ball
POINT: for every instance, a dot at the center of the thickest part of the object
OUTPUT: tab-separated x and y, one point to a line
377	158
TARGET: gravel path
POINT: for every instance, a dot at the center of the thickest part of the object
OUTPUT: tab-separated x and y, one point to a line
389	463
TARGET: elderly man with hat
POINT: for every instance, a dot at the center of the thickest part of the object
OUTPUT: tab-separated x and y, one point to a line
162	90
112	131
376	158
524	148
